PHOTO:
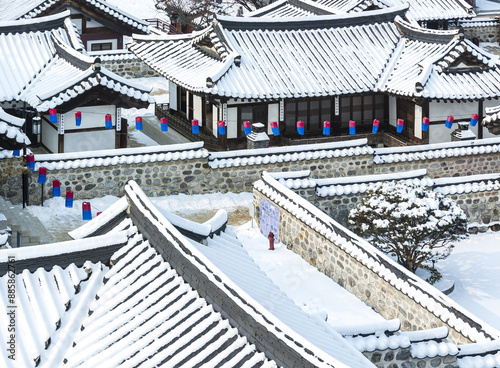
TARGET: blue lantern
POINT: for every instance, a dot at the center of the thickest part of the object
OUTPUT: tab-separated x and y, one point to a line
275	129
42	175
195	128
222	127
247	127
164	124
326	128
400	125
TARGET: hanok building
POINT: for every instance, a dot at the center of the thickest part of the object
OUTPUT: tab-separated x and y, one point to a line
336	68
433	14
43	68
101	25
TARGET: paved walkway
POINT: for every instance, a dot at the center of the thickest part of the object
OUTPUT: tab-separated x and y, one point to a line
22	221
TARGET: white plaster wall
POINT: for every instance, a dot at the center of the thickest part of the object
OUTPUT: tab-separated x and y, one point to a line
89	141
459	110
232	122
392	111
198	109
92	117
215	119
49	136
93	24
273	114
172	93
418	122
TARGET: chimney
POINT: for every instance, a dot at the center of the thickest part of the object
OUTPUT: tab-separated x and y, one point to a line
258	138
463	133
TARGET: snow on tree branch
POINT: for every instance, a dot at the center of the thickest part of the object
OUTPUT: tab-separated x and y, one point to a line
409	222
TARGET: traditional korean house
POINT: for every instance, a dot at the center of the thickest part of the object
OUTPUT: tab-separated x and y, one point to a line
101	25
336	68
44	75
434	14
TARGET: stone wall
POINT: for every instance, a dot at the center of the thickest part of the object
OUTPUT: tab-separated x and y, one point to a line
439	167
487	33
375	279
130	68
480	207
183	176
401	358
229	172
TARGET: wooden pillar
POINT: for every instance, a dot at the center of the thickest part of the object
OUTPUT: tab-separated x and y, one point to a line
480	125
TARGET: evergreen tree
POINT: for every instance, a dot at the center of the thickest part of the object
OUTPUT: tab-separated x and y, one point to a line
409	222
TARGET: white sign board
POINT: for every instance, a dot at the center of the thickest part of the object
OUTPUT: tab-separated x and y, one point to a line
269	219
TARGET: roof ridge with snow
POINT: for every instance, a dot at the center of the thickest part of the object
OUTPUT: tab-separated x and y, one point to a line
59	161
33	10
438	150
318	21
272	155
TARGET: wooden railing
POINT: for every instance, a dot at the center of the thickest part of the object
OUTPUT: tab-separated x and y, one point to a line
183	126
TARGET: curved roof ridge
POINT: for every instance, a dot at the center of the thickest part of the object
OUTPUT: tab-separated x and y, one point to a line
71	55
317	21
172	37
266	9
48	22
424	34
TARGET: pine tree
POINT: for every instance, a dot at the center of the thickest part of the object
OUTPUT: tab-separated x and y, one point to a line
409	222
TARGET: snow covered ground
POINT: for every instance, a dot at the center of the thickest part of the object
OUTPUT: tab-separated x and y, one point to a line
473	265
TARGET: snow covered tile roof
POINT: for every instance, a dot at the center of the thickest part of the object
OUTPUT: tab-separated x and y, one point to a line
428	296
419	10
429	334
28	9
227	253
293	8
46	298
270	58
121	156
113	55
434	151
187	60
484	355
467	184
42	65
479	22
440	65
27	49
431	349
360	184
381	342
146	309
492	119
11	129
272	155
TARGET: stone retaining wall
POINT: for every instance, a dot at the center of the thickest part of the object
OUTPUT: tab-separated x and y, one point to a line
401	358
207	175
485	163
130	68
480	207
483	34
364	272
